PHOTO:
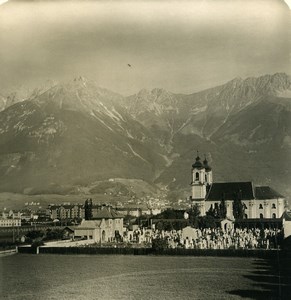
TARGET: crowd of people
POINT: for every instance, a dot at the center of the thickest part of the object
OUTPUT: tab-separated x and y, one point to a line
215	238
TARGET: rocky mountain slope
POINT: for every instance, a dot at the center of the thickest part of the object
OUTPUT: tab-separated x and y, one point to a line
73	134
63	136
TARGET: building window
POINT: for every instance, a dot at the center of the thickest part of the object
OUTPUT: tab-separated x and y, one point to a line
273	205
274	216
246	216
261	216
261	206
197	176
205	177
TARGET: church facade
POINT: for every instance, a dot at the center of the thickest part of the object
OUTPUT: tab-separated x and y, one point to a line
259	202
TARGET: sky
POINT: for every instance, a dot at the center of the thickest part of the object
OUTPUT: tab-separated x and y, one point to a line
125	46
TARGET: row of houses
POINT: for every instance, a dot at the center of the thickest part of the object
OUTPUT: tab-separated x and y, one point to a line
77	211
9	222
10	218
13	218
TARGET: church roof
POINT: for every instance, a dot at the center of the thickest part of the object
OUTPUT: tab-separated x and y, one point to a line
265	192
198	164
206	165
106	213
229	190
244	190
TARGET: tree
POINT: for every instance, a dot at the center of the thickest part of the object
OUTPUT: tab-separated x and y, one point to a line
160	244
88	209
238	207
216	211
34	234
222	208
160	226
171	214
55	234
37	242
194	214
207	222
210	212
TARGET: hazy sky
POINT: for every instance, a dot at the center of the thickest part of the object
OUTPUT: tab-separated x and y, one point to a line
181	46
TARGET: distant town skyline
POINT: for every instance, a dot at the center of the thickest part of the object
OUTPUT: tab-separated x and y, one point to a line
182	47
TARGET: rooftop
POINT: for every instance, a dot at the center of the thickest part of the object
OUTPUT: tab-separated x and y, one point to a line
242	190
229	190
87	224
265	192
107	213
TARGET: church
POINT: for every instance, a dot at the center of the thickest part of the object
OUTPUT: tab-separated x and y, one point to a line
259	202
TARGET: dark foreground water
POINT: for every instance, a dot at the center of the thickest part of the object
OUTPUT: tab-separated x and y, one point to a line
139	277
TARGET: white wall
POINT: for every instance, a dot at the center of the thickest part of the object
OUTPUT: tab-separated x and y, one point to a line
253	207
287	228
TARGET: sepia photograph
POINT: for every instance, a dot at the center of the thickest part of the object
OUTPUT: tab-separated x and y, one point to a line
145	149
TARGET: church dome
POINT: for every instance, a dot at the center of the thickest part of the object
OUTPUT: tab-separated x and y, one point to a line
206	166
198	164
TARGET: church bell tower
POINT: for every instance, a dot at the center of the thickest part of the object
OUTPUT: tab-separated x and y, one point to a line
201	178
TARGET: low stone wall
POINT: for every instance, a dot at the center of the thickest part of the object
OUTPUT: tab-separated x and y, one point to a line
27	250
9	251
149	251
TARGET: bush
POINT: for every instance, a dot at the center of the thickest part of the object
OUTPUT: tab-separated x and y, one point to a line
160	244
55	234
37	243
207	222
34	234
286	243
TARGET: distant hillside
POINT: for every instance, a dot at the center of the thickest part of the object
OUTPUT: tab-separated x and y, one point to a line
63	137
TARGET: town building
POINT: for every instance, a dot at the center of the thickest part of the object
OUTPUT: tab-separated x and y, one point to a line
10	218
259	202
10	222
10	214
105	226
286	219
130	211
67	211
138	211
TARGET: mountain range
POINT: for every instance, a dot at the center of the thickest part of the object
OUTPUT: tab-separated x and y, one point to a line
62	137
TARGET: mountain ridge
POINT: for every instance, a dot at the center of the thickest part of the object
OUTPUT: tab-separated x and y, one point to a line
75	133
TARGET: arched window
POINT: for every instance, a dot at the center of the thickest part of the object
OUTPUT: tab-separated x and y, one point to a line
197	176
274	216
246	216
261	206
261	216
205	177
273	205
